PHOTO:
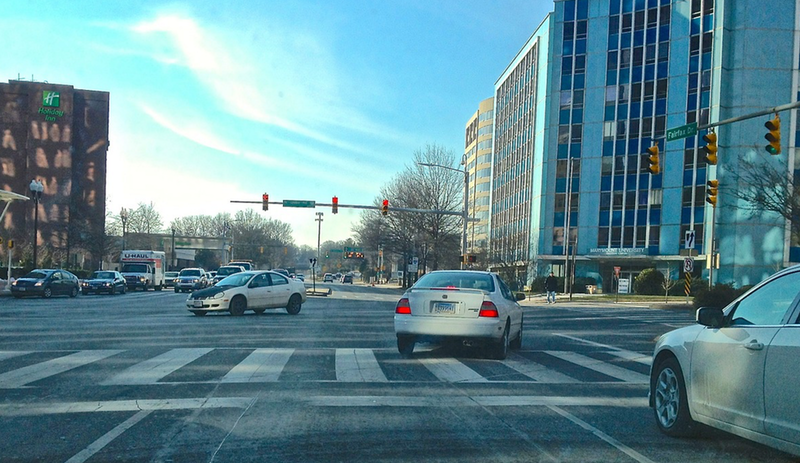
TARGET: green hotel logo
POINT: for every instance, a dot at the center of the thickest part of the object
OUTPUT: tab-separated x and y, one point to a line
51	99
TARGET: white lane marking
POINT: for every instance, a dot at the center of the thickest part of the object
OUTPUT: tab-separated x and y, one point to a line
452	371
600	366
619	445
535	371
58	408
261	366
25	375
106	438
150	371
358	365
480	401
613	350
7	354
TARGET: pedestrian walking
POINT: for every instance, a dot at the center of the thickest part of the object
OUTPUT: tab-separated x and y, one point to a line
551	286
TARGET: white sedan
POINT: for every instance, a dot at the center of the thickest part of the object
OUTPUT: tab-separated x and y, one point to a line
471	306
252	290
736	369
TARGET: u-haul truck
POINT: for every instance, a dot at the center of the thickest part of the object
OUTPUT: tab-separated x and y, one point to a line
143	269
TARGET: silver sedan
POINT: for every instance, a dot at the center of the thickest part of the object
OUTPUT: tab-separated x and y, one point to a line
470	306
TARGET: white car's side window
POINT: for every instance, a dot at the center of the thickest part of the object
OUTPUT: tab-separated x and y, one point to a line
768	305
279	280
260	281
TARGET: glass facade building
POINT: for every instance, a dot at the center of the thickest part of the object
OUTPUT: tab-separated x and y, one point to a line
614	76
478	137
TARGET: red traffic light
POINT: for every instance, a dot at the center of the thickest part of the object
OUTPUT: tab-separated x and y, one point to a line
265	202
335	205
385	208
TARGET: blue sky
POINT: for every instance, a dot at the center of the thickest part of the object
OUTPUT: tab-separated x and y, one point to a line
217	101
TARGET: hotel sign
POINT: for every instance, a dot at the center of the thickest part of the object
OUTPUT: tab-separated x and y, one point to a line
51	100
619	252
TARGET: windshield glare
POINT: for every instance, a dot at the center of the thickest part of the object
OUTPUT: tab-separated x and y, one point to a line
456	280
238	279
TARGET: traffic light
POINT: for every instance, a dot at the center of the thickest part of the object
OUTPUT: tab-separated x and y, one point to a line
385	207
265	202
10	244
711	148
261	249
335	205
712	187
774	135
652	158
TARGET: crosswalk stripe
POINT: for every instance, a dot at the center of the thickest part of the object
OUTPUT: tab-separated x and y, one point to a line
452	371
600	366
7	354
26	375
358	365
261	366
535	371
152	370
615	351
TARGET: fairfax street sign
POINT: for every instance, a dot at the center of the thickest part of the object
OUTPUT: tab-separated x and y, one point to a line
684	131
295	203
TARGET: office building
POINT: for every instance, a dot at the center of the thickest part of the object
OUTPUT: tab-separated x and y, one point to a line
478	160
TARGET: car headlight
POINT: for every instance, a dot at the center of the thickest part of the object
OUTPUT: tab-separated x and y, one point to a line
14	283
106	284
195	280
84	284
218	295
39	283
142	279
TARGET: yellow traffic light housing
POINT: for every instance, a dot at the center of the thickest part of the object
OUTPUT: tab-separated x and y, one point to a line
774	135
711	148
385	207
653	159
712	188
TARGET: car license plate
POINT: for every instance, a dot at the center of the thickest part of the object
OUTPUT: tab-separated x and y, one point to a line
21	289
198	303
444	308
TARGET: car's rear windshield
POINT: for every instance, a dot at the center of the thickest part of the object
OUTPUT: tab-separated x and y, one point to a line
461	280
36	275
103	275
228	270
191	273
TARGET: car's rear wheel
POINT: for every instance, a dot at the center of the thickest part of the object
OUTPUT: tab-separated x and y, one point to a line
199	313
405	344
47	292
669	397
516	344
500	348
295	303
238	306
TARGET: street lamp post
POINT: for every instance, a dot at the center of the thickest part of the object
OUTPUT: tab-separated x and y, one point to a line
37	188
466	205
123	216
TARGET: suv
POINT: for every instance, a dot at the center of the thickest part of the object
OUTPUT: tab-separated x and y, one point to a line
245	265
225	271
190	279
328	277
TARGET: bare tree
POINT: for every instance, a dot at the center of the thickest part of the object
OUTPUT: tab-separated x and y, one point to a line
144	219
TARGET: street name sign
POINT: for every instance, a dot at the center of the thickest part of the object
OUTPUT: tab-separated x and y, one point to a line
297	203
684	131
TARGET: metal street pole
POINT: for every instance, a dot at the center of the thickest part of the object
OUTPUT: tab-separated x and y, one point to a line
36	188
319	232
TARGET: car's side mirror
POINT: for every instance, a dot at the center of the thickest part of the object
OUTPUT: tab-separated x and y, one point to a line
710	316
520	296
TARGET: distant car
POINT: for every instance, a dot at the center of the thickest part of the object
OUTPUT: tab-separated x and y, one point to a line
210	278
46	283
104	281
735	369
169	278
245	265
226	271
300	277
470	306
255	290
327	277
347	279
190	279
281	271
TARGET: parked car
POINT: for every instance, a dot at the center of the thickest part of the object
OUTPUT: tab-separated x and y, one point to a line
328	277
104	281
169	278
254	290
46	283
226	271
190	279
474	307
734	369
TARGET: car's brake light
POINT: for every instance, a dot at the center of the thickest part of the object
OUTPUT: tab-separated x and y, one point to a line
488	309
403	307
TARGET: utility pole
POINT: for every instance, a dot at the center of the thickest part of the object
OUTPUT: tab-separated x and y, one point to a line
319	232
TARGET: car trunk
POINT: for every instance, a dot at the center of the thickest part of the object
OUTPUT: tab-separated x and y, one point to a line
446	302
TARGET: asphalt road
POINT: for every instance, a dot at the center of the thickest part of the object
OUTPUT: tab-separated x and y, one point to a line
138	378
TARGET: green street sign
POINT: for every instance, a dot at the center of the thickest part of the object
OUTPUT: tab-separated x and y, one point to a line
684	131
295	203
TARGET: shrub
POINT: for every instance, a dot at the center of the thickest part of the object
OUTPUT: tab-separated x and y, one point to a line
718	296
649	282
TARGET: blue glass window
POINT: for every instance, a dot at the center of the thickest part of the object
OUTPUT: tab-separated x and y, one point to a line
604	219
705	98
663	69
620	147
558	218
629	215
563	116
650	36
580	81
650	72
641	216
583	9
695	29
688	177
699	214
566	65
616	218
657	181
566	82
611	77
633	145
569	10
605	183
614	7
655	215
637	74
567	47
664	33
610	115
686	215
580	46
577	115
575	149
608	147
694	63
708	22
661	106
627	6
563	151
613	41
622	111
706	61
701	175
638	38
618	179
691	103
625	40
561	185
624	76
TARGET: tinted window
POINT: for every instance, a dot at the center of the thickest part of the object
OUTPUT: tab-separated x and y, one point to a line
457	280
36	275
278	279
768	304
